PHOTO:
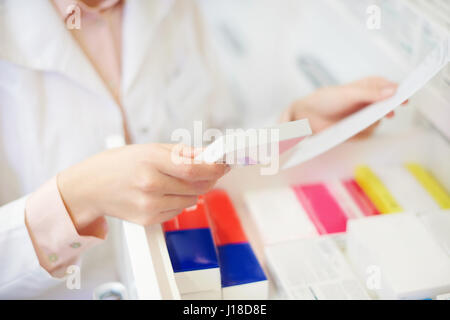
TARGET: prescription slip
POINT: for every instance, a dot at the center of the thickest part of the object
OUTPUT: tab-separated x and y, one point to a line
358	121
313	269
255	146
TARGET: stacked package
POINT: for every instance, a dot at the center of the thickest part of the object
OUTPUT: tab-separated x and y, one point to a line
210	254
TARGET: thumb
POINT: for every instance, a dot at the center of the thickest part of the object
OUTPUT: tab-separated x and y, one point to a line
369	90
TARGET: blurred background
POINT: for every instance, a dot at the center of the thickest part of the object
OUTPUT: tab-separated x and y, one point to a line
273	52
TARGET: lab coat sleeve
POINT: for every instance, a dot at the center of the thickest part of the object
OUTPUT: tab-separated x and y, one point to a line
21	275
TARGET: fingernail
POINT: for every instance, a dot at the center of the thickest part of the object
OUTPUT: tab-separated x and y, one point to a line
390	114
387	92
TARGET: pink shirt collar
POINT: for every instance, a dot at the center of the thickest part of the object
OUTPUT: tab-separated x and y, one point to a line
63	5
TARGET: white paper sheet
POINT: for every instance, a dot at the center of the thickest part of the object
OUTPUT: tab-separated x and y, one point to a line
244	147
313	269
350	126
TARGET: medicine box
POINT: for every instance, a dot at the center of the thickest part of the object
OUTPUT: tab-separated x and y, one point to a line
399	256
278	215
322	208
241	273
193	254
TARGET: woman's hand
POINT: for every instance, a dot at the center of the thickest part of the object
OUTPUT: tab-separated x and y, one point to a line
327	106
138	183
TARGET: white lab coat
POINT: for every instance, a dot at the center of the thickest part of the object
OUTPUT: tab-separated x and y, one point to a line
55	111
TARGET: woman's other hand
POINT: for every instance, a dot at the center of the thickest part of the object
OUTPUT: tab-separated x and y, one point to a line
328	105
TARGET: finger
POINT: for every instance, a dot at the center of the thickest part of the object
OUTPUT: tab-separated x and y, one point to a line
354	96
172	165
369	90
167	215
161	217
390	114
367	132
170	202
183	150
161	183
286	116
175	186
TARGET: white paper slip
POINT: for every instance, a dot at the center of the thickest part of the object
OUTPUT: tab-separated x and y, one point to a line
255	146
358	121
313	269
